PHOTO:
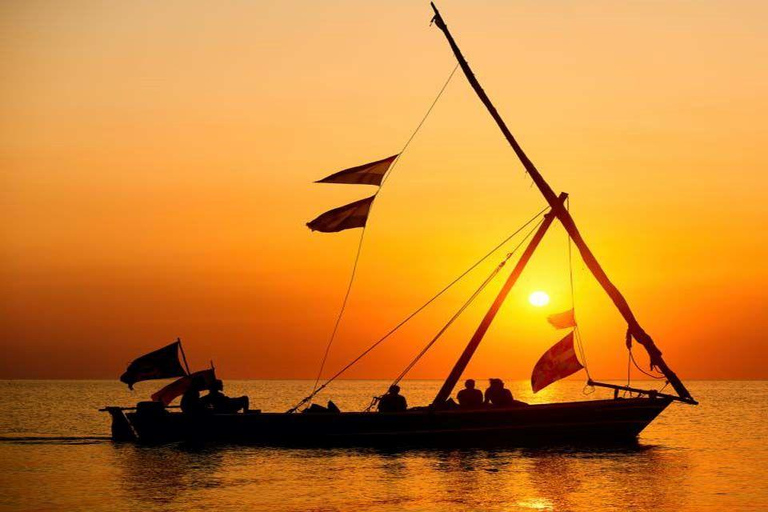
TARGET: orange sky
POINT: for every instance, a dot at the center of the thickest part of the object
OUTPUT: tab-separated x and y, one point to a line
157	160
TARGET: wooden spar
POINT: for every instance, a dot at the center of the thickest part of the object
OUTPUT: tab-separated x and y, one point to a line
589	259
469	350
649	392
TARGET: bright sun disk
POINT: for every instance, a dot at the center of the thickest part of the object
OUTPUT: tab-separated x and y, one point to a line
538	299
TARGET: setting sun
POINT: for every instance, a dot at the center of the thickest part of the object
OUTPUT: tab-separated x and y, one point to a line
538	299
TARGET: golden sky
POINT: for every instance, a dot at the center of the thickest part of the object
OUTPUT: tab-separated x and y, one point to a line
157	159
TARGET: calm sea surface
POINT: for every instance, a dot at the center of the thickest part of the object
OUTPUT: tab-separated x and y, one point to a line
55	454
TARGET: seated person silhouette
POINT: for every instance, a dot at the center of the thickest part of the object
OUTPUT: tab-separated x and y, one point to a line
497	395
218	402
469	397
190	400
393	401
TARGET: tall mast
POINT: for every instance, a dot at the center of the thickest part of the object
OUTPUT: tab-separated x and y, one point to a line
469	351
633	327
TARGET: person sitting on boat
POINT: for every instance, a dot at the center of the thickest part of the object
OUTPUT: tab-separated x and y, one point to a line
469	397
218	402
393	401
190	400
497	395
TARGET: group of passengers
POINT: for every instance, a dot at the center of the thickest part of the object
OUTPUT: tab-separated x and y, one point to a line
469	398
495	396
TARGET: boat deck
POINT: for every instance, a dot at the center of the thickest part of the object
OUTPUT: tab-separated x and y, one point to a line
617	420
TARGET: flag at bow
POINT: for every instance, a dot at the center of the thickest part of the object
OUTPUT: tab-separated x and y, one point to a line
564	320
366	174
557	363
352	215
202	379
161	364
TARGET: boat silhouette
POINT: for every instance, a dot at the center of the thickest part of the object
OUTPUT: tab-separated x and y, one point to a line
617	420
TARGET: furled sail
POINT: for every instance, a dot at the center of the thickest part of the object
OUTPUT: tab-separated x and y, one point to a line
352	215
366	174
557	363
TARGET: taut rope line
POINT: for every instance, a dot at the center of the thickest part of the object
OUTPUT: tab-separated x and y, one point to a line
317	390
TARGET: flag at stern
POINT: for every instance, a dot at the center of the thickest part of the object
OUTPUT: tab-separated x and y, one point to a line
161	364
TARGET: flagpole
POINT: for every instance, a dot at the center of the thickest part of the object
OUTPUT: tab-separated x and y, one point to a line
183	355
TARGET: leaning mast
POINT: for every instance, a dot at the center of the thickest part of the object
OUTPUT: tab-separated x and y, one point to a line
634	330
474	342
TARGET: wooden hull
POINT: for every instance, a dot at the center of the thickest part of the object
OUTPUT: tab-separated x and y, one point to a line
596	421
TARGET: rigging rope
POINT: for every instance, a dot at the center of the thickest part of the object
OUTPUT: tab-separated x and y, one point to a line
429	111
577	332
631	361
317	390
579	342
362	234
450	322
465	305
632	358
341	311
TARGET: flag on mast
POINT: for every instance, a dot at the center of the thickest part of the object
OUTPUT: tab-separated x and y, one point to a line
366	174
564	320
352	215
557	363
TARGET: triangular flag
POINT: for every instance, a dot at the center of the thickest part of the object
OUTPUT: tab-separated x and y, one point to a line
557	363
563	320
366	174
352	215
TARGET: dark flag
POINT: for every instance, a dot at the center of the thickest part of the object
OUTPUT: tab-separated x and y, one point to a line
352	215
366	174
168	394
562	320
557	363
160	364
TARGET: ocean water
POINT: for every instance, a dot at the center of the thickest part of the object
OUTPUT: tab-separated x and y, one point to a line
55	454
